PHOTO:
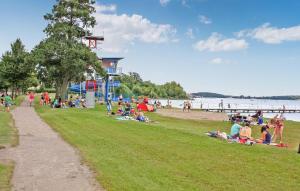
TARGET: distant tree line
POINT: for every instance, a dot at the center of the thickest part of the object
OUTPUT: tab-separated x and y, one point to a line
215	95
133	85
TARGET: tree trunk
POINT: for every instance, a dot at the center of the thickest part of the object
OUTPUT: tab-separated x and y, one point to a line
62	89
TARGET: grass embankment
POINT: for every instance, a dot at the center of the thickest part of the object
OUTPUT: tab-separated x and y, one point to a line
5	175
173	154
8	137
8	133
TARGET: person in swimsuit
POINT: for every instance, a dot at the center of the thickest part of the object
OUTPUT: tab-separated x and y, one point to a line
31	98
278	125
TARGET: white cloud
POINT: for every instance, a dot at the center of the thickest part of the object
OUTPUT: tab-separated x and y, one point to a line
220	61
189	33
164	2
272	35
120	31
205	20
216	43
106	8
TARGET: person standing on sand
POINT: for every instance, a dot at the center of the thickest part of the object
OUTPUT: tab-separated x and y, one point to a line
7	102
189	106
221	105
184	106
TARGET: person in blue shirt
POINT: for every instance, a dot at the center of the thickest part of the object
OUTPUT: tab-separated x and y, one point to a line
235	129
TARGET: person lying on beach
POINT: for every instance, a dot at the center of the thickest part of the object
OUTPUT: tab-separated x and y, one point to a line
265	135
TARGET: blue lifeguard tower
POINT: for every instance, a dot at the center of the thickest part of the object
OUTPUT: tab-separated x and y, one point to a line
110	65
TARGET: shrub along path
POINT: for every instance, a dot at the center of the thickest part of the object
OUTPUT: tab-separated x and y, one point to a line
43	160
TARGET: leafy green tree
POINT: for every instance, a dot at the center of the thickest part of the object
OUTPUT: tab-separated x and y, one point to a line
61	58
135	76
137	90
15	67
124	90
139	87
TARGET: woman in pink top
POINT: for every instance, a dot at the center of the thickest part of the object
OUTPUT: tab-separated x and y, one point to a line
31	98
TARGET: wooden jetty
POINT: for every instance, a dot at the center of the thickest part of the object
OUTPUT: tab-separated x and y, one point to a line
243	110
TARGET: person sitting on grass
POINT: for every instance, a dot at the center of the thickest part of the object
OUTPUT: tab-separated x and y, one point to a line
127	109
77	102
265	135
140	117
71	102
120	109
245	133
235	129
56	103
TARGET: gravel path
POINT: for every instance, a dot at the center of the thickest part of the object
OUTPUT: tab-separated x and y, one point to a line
195	115
43	161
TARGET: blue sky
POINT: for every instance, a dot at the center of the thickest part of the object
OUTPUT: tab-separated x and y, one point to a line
230	46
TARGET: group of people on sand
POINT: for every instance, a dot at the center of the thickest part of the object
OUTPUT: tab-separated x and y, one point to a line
6	102
187	106
241	132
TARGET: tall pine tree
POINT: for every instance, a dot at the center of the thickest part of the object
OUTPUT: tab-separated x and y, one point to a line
61	57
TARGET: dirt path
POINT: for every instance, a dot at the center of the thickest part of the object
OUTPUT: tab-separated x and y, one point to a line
43	161
195	115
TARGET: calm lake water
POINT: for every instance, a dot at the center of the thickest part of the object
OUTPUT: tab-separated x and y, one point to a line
243	103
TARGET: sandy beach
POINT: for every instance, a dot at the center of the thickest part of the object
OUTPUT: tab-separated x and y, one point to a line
194	114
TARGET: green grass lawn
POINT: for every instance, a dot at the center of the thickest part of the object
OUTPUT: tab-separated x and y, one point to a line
8	134
8	137
174	154
5	175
